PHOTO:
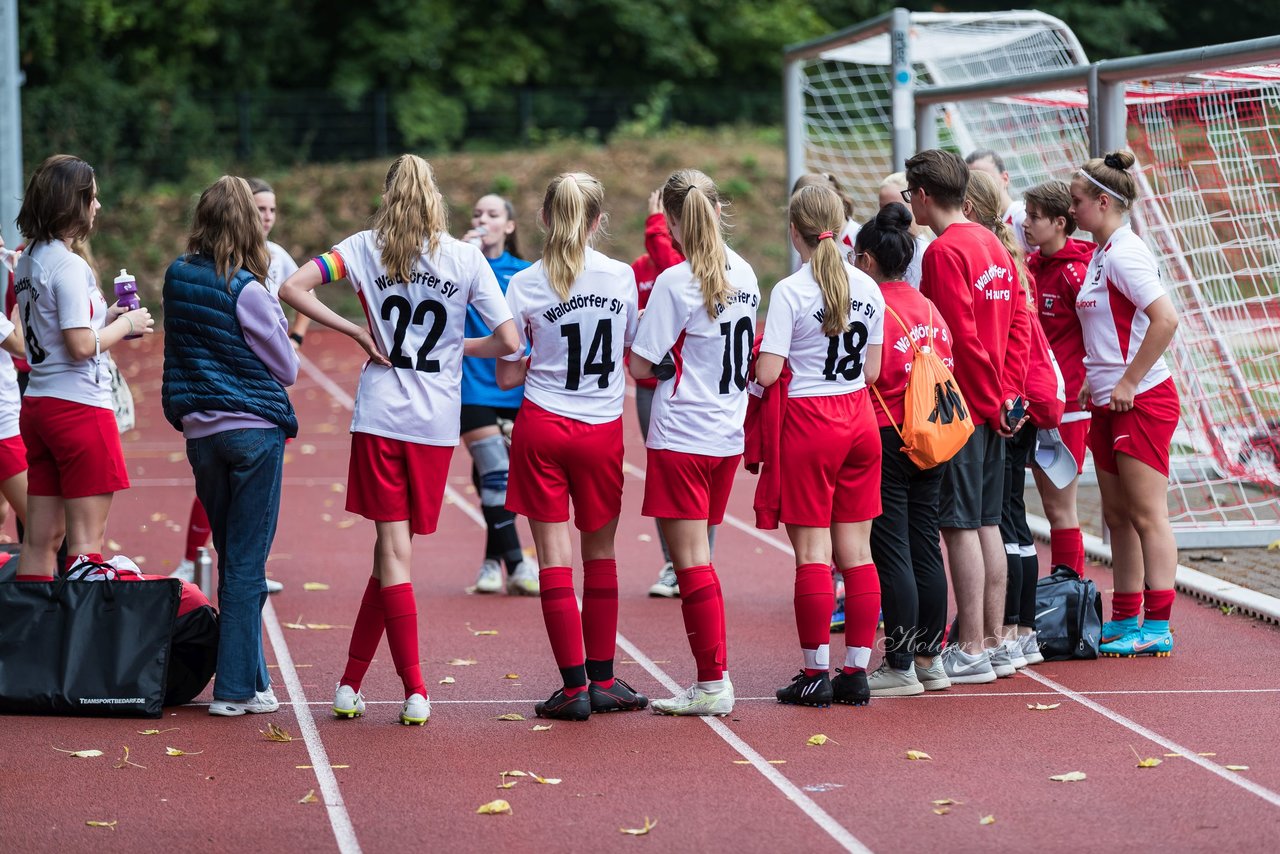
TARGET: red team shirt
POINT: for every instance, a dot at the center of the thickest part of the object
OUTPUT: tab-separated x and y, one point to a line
970	277
1058	279
916	312
1122	280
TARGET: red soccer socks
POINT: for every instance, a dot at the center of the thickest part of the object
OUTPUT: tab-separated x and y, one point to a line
814	602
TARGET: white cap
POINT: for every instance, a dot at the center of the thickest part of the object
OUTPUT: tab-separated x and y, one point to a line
1055	459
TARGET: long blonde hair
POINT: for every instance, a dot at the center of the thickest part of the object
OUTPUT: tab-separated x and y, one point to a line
818	215
983	196
690	198
227	229
412	211
573	202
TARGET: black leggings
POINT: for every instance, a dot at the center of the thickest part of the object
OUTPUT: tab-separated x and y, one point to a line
1020	558
908	556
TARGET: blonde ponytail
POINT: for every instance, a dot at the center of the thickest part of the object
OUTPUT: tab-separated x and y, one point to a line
412	211
983	196
572	203
690	198
818	215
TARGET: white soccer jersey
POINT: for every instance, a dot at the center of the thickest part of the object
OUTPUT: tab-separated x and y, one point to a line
1014	217
822	366
282	267
912	276
419	326
10	400
848	236
1121	282
701	409
576	346
57	290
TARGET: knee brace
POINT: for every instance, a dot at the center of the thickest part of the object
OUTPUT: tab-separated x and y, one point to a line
492	463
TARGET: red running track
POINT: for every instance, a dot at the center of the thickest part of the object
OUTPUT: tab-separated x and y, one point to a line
383	787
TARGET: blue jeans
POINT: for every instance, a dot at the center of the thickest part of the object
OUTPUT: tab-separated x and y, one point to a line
238	476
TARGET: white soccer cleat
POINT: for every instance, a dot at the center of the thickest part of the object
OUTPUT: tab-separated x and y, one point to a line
697	701
490	578
348	702
524	581
416	710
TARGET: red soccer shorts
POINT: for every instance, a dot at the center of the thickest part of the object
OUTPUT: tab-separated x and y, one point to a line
555	459
391	480
1075	435
688	486
13	457
1145	432
830	459
73	450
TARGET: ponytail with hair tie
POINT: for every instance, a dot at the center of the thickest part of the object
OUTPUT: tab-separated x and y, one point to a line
827	235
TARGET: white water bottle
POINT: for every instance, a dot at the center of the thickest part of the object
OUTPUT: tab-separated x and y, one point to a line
478	240
204	572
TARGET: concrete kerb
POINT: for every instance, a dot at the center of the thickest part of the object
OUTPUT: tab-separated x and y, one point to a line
1188	580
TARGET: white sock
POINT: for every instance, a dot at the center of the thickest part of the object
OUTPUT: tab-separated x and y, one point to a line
818	659
857	657
713	687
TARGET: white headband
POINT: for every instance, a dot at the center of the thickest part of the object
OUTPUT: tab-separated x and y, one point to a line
1101	186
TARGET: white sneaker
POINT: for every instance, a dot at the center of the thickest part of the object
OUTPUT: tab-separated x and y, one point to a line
697	701
934	677
1001	662
667	586
965	669
524	580
186	571
490	578
1014	649
274	586
1031	648
348	702
888	681
263	702
415	711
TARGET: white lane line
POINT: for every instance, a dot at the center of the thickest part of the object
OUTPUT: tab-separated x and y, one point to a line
344	833
1232	777
834	829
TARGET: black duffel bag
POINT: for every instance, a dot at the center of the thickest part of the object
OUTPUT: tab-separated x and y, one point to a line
1068	615
97	648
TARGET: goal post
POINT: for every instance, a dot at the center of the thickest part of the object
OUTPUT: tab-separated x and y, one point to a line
1205	127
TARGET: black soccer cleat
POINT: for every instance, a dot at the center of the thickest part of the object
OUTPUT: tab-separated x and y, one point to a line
562	707
619	697
851	689
807	691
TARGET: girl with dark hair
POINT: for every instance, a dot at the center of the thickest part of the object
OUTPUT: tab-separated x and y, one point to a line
485	406
415	283
75	461
1128	321
904	537
227	362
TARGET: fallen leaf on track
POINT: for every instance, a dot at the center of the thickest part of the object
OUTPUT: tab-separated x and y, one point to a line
942	811
309	798
540	728
314	586
80	754
1149	762
173	751
511	716
550	781
645	538
113	545
320	627
337	487
819	740
124	762
987	819
514	774
498	807
946	802
1236	767
1069	777
448	680
640	831
273	732
507	785
1042	707
346	523
512	676
918	754
461	662
307	450
110	825
157	731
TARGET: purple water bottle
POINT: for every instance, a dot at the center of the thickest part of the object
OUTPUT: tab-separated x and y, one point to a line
127	295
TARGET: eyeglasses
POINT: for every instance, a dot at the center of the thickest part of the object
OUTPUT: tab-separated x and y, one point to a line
907	194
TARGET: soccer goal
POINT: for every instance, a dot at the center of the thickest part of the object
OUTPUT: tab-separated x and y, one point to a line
1205	126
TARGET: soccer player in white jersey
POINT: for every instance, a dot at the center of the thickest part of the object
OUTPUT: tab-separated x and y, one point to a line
827	322
415	283
576	312
68	423
848	231
1015	212
13	453
1128	321
702	312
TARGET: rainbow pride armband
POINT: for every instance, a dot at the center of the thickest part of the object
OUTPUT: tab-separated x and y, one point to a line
331	265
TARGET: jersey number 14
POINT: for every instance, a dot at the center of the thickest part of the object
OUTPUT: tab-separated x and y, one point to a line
599	354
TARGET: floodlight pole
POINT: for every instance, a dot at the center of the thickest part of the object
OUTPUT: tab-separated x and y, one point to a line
11	79
903	83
